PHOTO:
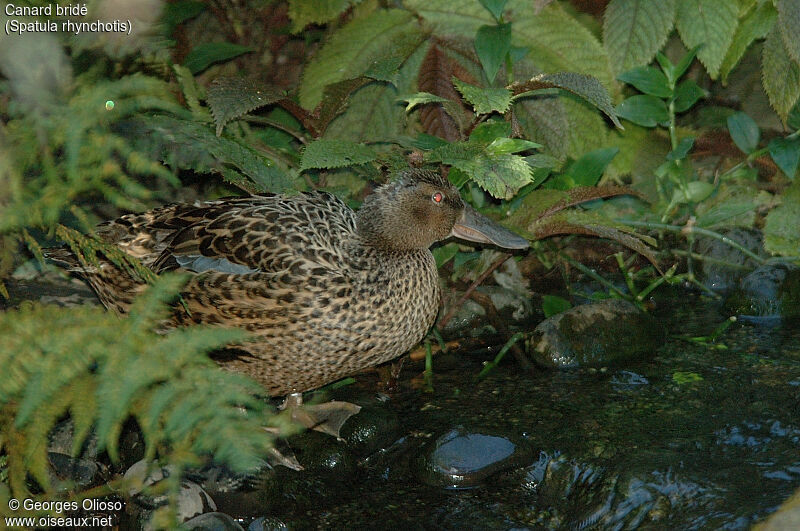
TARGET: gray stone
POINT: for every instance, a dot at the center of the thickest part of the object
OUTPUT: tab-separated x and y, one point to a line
725	265
464	459
771	291
212	522
594	335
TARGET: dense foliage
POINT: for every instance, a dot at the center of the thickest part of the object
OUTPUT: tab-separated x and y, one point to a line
544	116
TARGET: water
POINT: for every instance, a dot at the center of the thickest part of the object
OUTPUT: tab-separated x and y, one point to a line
691	437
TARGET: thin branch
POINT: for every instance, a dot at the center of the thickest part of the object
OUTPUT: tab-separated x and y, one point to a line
478	281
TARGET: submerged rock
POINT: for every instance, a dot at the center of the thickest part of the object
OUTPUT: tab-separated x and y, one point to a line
725	265
463	459
594	335
212	522
771	291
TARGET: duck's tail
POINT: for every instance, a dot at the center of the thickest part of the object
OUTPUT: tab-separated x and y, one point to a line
115	287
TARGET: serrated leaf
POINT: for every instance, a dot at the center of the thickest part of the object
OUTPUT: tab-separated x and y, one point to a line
710	23
421	98
492	44
190	145
686	95
587	87
328	154
446	17
353	49
372	112
634	30
648	80
780	230
755	25
231	97
588	169
647	111
500	175
484	100
744	132
559	43
305	12
495	7
786	154
501	146
780	75
204	55
789	24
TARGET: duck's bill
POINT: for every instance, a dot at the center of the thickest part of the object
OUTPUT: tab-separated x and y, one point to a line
476	227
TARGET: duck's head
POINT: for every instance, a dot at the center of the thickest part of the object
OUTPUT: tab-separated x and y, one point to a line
420	208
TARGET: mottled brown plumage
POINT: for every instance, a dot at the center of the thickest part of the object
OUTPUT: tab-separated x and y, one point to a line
325	291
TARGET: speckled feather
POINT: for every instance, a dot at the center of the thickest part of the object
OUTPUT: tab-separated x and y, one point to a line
324	291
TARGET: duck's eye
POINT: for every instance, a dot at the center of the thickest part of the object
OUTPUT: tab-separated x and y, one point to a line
437	197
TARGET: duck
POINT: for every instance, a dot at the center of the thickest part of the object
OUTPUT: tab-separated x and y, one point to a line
324	291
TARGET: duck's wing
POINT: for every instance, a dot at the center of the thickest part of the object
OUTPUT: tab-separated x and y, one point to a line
264	234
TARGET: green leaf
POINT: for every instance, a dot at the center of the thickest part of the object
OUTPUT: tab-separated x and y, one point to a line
328	154
484	100
421	98
305	12
355	48
755	25
683	378
501	146
490	130
231	97
587	87
648	80
695	192
744	132
500	175
634	30
588	169
686	95
686	61
373	113
780	230
204	55
647	111
444	253
682	149
492	44
560	43
781	75
786	154
495	7
553	305
710	23
789	24
176	13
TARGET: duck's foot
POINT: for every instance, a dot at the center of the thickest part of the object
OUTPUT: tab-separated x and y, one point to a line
328	417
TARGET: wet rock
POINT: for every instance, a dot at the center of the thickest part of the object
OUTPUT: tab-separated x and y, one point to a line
375	427
79	472
725	265
594	335
462	458
469	316
322	454
267	523
212	522
512	305
771	291
192	499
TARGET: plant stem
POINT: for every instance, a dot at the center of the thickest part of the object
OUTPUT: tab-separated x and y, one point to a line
449	315
695	230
